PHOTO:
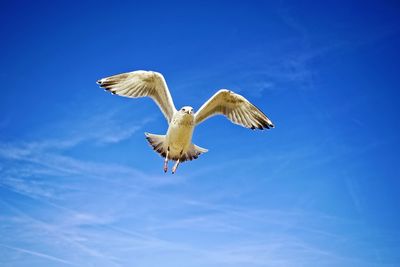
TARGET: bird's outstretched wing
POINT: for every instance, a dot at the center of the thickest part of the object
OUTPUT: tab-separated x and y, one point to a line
140	84
236	108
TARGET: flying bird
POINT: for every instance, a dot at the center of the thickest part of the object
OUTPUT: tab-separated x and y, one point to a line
176	144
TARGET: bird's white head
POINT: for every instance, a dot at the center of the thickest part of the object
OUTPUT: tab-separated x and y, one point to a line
187	110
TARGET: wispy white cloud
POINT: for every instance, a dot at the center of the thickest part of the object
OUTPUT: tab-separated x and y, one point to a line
108	237
285	65
39	254
53	162
103	129
32	230
27	187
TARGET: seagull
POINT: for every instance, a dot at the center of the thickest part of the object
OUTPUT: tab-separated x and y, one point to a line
176	144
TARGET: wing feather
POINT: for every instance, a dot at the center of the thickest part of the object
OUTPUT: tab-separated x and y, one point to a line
140	84
236	108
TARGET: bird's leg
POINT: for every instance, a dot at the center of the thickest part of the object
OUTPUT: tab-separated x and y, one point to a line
166	161
175	166
176	163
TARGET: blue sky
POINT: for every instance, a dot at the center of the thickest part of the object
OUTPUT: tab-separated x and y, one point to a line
79	185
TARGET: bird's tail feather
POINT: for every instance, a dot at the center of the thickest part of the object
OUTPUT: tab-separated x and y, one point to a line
193	153
157	142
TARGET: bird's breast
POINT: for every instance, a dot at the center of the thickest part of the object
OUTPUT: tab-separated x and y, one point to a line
183	121
180	132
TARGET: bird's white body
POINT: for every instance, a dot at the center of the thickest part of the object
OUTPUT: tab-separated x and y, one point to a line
179	135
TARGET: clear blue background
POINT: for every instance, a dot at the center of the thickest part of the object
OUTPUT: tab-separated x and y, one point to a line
80	186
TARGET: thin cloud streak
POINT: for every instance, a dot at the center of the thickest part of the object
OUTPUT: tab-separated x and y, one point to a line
38	254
